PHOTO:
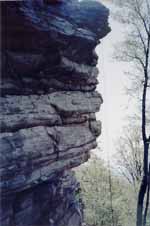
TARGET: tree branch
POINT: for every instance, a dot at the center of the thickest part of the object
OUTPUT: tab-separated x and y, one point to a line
138	11
141	38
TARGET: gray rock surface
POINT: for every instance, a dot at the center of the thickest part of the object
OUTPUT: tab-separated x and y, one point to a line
54	202
47	107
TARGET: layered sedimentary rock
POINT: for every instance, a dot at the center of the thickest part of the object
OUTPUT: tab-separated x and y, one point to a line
47	107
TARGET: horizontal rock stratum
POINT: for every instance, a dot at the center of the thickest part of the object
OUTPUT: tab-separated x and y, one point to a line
47	107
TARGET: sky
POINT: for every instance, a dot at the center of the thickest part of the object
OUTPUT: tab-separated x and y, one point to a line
112	82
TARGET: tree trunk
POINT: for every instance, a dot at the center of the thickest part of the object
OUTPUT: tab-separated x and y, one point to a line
140	202
142	192
147	199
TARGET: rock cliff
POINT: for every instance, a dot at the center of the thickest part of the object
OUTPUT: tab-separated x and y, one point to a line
47	107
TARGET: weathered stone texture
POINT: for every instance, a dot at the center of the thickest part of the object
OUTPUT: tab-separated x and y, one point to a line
47	107
54	202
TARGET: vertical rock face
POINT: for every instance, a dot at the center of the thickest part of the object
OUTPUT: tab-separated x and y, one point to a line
48	105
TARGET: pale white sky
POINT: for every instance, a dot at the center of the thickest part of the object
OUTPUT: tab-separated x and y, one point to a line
112	82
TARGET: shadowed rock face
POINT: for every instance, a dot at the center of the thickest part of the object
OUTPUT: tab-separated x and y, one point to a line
47	107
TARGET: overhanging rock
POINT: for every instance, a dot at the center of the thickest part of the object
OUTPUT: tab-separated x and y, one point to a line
48	104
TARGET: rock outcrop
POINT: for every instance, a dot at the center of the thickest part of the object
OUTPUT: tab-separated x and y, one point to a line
48	104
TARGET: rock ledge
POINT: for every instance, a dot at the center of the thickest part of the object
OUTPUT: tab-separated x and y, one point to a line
47	107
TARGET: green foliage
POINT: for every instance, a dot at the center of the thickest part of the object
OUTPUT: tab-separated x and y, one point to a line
95	185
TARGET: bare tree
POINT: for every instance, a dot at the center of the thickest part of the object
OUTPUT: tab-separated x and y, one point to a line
136	49
129	155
